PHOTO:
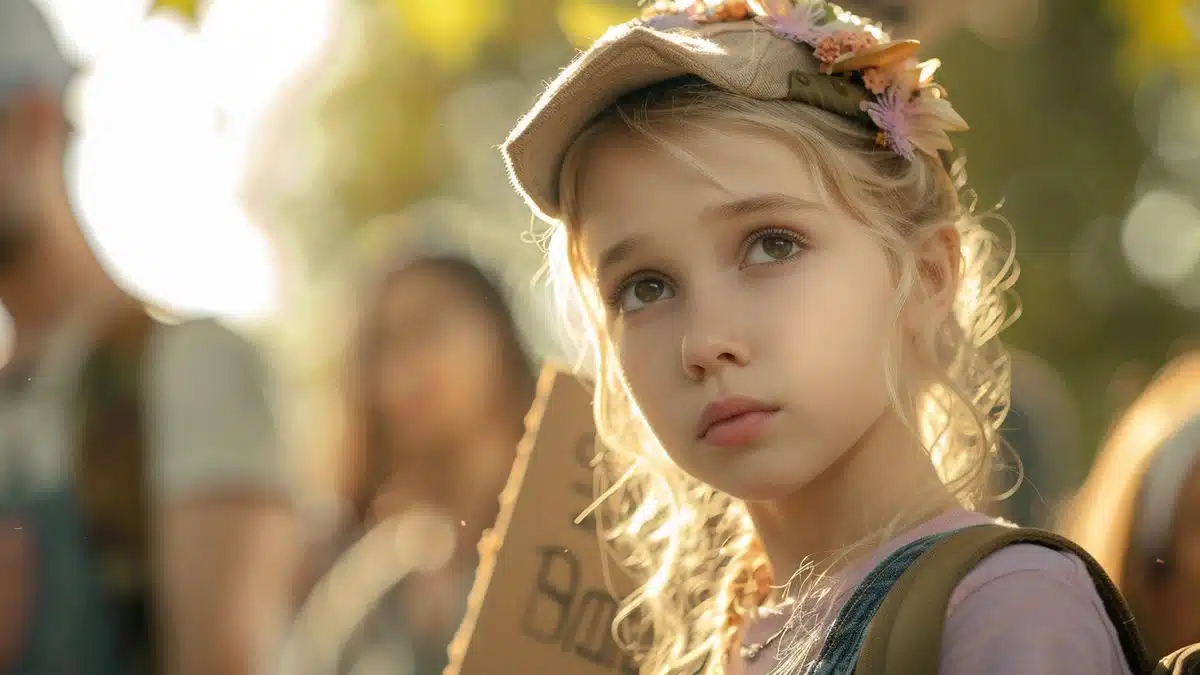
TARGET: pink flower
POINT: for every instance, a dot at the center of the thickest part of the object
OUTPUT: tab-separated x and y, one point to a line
854	41
798	22
829	48
890	111
842	45
914	121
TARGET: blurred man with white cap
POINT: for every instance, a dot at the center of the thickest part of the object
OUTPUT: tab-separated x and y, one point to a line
146	516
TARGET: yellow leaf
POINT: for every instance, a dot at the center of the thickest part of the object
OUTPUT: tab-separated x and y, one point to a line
188	10
1160	33
452	32
582	21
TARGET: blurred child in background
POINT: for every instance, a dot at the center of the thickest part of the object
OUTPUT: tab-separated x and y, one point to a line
1138	512
440	383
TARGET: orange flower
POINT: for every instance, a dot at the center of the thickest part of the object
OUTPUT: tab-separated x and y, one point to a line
877	79
729	10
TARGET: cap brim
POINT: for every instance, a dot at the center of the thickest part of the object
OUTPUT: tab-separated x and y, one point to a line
742	57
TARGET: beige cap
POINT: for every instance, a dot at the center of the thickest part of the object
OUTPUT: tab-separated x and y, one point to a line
743	57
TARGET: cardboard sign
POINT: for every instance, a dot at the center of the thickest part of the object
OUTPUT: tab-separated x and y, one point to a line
539	604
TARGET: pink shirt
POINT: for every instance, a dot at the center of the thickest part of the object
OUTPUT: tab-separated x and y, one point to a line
1026	610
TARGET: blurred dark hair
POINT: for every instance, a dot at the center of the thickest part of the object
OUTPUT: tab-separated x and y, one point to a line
367	465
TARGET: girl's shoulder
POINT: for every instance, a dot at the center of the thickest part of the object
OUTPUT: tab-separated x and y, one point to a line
1032	610
1012	568
1015	566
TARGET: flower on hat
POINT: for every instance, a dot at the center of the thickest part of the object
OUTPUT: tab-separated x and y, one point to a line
842	46
868	52
910	111
726	10
930	117
913	113
829	49
877	80
890	112
799	22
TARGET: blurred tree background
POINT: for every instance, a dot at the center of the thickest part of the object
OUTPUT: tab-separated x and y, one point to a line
1085	116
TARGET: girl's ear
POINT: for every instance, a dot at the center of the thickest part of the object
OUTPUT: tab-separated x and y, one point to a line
939	271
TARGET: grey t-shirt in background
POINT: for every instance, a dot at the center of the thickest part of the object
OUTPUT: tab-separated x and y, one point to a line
210	423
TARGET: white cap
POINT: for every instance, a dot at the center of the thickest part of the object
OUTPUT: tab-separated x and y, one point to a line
30	54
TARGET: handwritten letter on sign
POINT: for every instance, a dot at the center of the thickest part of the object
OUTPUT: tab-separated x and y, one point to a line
539	605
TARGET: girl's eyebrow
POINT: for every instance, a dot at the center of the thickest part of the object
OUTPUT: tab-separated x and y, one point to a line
771	202
617	252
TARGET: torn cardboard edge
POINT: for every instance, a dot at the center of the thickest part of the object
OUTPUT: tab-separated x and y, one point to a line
493	538
541	601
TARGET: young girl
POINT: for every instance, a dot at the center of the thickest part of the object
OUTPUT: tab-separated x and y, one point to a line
1139	511
793	318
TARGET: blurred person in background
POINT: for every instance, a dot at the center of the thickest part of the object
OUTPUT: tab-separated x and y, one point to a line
440	385
1138	512
146	519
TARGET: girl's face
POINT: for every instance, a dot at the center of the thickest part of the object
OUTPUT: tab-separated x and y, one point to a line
440	357
746	290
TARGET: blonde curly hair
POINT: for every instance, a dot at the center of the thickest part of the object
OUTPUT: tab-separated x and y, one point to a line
692	550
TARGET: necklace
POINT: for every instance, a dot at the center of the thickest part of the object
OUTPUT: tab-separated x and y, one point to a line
750	653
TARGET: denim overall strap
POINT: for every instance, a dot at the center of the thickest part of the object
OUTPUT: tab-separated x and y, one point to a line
839	653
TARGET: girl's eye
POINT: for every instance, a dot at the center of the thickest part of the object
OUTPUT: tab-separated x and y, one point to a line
636	294
772	247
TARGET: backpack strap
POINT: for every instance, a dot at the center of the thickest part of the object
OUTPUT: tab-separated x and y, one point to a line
111	476
905	635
